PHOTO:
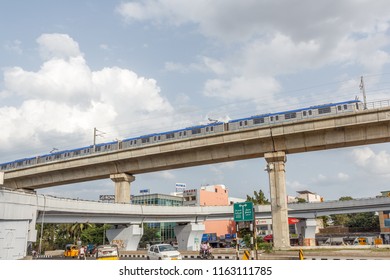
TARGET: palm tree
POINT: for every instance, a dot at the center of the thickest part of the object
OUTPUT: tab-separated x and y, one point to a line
258	199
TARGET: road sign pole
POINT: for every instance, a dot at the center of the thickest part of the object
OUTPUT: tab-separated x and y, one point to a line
255	232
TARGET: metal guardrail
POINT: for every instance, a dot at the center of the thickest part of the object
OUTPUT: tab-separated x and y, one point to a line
378	104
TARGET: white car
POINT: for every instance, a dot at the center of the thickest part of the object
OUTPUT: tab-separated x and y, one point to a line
163	252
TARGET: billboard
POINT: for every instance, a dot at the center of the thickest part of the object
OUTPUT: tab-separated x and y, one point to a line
180	187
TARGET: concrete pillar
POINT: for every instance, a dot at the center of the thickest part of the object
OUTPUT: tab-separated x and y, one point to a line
277	183
307	231
122	186
127	238
189	236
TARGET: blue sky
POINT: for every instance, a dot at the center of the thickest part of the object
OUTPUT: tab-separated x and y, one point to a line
130	68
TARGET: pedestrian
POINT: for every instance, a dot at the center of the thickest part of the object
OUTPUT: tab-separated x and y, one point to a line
82	253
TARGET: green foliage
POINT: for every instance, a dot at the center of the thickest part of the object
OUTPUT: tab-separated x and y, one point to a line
258	198
261	244
358	220
363	220
151	235
56	236
301	200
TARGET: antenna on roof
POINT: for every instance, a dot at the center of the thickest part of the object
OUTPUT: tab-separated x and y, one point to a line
53	150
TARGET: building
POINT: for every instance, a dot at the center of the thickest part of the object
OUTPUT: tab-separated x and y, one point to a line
212	195
384	222
166	230
309	196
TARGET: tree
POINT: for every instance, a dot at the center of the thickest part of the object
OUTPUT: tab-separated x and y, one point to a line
367	220
258	198
341	219
150	235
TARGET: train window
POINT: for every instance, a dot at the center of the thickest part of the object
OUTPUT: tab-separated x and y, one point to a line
212	128
159	137
272	118
276	118
76	153
207	129
345	106
246	123
180	133
357	106
185	133
290	116
154	138
304	113
324	110
339	108
310	113
258	120
57	156
240	123
195	131
98	149
170	135
145	140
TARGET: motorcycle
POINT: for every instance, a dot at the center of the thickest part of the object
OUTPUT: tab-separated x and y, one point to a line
206	254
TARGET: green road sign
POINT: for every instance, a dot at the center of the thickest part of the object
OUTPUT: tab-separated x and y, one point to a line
243	211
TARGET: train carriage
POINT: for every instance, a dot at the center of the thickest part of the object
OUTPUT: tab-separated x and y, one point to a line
194	131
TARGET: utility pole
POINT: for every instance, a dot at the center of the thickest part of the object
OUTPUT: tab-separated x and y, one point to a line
95	134
362	88
94	138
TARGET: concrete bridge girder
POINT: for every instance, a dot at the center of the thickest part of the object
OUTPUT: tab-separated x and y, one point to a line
366	127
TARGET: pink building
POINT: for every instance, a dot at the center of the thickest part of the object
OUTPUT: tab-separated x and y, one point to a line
216	195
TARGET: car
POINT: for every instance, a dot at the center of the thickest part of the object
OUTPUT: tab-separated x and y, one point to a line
163	252
107	252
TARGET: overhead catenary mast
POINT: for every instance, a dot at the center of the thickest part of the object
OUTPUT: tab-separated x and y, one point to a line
362	88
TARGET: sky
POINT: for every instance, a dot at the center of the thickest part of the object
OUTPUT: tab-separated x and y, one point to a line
130	68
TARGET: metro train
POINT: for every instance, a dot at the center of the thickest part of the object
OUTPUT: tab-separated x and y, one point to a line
190	132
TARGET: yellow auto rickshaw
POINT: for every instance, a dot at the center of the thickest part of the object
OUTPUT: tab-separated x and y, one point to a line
107	252
71	250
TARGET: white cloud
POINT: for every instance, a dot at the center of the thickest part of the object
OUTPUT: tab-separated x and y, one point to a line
57	46
371	162
295	185
274	38
242	88
342	176
65	99
14	46
166	175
